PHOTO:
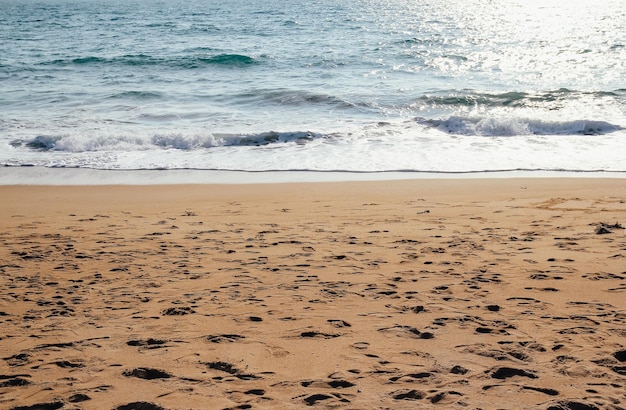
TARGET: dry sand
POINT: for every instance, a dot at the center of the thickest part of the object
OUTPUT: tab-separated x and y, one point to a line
406	294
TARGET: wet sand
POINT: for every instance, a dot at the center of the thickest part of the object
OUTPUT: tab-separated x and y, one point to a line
491	293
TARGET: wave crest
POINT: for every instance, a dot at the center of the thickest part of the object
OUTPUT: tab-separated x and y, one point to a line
184	62
512	99
502	127
123	143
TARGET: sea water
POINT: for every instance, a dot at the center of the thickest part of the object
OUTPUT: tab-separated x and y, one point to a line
441	86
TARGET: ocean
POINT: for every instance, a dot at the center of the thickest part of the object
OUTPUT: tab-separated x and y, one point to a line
360	86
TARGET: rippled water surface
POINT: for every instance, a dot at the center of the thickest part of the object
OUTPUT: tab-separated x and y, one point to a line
360	85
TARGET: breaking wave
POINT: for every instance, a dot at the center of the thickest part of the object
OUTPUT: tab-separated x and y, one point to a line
507	126
121	143
513	99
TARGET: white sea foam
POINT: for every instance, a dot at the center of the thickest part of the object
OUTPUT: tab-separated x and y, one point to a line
382	147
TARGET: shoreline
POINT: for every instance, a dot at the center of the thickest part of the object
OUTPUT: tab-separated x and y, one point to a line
88	176
457	293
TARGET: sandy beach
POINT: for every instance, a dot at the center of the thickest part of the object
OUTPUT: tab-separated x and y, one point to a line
468	294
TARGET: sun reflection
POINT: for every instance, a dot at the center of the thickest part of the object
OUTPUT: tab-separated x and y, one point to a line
532	41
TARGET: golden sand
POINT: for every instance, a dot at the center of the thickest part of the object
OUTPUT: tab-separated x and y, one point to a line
492	293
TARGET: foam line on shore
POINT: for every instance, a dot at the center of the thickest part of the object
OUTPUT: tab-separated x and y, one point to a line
87	176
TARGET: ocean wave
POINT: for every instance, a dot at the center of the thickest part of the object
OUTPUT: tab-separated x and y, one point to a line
510	126
81	60
185	62
187	142
514	99
228	59
293	97
125	143
137	95
469	99
385	147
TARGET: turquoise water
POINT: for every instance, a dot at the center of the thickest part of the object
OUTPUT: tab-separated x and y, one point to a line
364	85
